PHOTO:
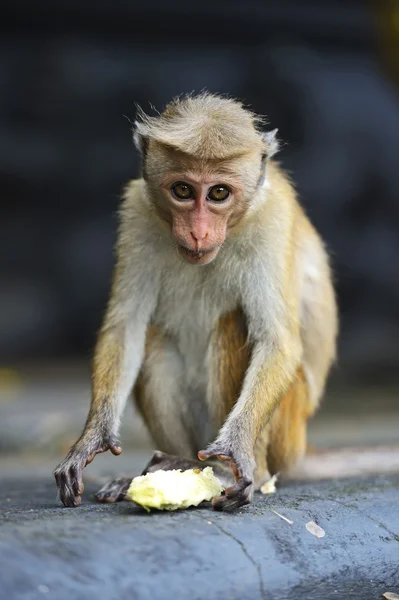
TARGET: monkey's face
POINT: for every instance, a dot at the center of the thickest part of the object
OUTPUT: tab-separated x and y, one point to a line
201	208
201	199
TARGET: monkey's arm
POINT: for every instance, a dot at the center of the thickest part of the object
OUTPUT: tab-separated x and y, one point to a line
117	360
273	325
272	369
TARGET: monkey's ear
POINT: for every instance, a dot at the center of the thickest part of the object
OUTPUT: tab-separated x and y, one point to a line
140	139
271	142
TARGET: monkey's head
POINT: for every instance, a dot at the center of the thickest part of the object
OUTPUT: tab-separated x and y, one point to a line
203	162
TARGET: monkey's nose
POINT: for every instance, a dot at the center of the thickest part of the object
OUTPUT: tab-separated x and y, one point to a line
199	236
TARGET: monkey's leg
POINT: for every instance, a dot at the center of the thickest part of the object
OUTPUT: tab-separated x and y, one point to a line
288	427
163	400
161	396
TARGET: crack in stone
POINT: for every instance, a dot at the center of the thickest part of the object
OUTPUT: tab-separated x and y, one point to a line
247	554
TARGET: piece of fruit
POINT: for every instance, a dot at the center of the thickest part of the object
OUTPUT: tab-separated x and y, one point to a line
171	490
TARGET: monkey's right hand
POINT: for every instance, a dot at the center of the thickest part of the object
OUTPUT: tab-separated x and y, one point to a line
68	474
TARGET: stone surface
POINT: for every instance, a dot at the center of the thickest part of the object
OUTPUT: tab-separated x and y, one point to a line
116	551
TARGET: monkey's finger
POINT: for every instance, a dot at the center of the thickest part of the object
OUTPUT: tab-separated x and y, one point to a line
225	503
235	496
67	494
235	470
213	451
60	482
116	449
77	480
57	478
111	443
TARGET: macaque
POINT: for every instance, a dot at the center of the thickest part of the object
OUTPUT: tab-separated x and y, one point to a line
222	316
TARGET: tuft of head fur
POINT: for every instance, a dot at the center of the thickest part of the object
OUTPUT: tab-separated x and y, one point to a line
204	126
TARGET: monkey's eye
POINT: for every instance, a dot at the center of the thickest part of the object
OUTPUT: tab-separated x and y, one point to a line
182	191
218	193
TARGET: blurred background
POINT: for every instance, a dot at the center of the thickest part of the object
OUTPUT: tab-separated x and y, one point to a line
325	73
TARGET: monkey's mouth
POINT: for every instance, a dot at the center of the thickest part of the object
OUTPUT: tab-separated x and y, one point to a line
195	254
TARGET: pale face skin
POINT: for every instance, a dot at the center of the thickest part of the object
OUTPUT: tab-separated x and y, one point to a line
201	208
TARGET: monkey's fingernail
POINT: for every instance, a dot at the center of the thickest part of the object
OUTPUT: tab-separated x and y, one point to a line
223	457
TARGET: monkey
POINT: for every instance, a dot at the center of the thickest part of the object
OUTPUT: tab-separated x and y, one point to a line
222	318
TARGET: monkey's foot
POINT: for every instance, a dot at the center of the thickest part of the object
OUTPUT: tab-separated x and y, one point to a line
168	462
114	491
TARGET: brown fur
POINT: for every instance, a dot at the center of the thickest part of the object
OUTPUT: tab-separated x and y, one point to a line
106	367
287	441
231	354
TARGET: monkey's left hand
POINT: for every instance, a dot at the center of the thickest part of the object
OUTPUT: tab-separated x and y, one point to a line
242	491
